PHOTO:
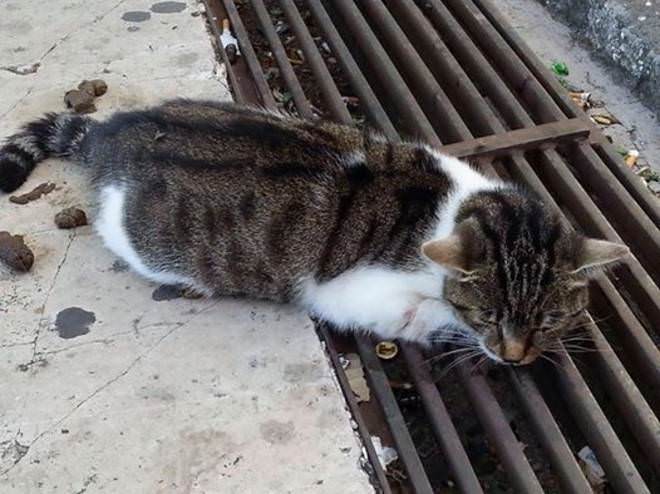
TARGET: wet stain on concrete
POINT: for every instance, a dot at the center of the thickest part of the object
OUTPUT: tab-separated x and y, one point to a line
303	373
119	266
276	432
187	59
166	292
168	7
73	322
136	16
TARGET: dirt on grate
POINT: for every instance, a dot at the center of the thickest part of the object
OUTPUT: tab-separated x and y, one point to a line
297	58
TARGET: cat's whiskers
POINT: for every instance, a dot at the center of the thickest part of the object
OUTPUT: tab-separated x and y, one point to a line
458	361
455	351
554	362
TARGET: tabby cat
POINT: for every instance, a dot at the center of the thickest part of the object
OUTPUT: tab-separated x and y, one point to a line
396	239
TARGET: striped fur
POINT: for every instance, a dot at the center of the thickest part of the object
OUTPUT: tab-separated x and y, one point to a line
53	135
392	238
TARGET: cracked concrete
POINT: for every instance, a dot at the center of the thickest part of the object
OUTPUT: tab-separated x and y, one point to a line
105	387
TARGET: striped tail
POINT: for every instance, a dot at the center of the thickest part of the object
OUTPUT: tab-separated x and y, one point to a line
56	134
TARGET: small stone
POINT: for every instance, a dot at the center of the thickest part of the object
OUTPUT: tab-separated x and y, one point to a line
70	218
15	253
654	187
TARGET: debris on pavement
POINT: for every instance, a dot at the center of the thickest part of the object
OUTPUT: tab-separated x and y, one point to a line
387	350
34	194
81	100
70	218
15	253
631	157
653	183
592	469
604	119
355	375
581	98
386	455
560	68
26	69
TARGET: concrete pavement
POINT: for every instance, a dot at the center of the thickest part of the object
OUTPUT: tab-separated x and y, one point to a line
108	383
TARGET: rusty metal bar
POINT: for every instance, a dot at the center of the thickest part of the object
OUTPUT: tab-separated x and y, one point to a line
634	409
250	57
286	70
441	422
432	98
621	471
561	457
497	427
491	43
355	410
353	73
329	90
400	96
404	444
538	137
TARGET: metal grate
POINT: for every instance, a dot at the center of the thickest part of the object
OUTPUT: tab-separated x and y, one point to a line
453	73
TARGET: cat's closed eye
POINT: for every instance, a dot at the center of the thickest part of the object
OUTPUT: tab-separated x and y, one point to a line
551	319
487	316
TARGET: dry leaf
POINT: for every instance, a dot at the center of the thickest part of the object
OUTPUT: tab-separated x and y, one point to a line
631	157
355	375
604	119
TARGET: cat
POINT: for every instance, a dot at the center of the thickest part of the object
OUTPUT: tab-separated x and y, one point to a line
392	238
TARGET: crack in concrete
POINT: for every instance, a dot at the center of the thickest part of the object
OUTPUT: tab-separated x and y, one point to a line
20	343
14	449
110	338
108	383
89	480
37	357
35	66
18	102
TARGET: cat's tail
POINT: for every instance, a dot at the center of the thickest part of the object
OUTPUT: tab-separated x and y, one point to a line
56	134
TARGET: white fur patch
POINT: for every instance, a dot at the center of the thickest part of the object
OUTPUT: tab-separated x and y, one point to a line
110	226
466	181
354	158
378	299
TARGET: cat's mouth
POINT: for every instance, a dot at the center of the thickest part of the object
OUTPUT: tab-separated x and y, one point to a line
530	355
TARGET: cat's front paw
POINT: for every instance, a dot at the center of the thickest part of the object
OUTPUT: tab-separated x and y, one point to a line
424	319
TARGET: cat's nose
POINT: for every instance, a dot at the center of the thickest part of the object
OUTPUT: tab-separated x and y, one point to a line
513	351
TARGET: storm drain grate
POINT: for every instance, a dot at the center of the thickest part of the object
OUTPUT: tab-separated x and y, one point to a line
453	73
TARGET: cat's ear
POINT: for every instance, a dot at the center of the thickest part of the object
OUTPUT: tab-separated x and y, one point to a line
593	253
455	252
448	252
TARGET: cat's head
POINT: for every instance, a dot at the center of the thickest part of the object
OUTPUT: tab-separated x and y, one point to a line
516	277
